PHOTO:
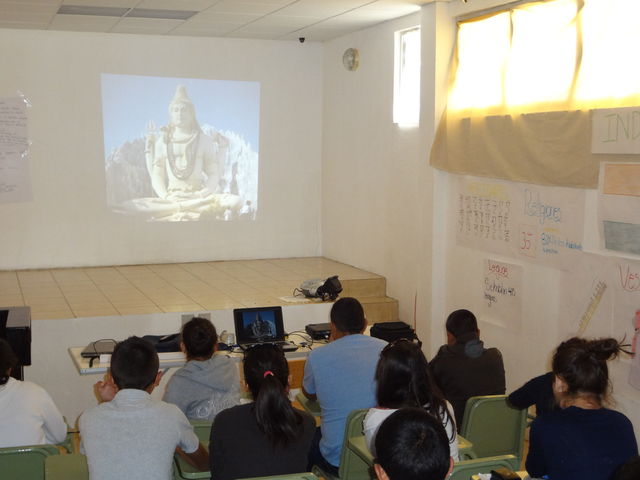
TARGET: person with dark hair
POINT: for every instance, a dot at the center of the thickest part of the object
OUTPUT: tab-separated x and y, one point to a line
583	440
130	434
412	445
207	383
463	368
340	375
403	380
28	415
268	436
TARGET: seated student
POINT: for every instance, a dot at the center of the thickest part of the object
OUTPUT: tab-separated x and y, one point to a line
207	383
412	445
130	434
583	439
403	380
268	436
464	368
341	376
538	391
28	416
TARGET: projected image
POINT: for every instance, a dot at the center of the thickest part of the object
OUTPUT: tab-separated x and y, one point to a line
181	149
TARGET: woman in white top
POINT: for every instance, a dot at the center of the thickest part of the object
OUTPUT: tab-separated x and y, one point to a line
28	416
403	380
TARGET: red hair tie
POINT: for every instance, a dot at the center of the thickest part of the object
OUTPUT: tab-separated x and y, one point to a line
268	372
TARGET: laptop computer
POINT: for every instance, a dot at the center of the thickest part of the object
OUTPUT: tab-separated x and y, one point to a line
260	325
97	348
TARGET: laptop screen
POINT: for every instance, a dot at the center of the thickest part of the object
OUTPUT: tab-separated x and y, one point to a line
258	325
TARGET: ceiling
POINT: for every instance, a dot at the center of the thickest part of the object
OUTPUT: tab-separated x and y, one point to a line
315	20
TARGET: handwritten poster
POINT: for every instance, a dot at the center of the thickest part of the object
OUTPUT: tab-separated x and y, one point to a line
502	295
615	130
626	317
541	224
619	207
15	185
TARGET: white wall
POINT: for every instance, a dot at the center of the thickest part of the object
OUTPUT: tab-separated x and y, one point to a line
376	183
68	224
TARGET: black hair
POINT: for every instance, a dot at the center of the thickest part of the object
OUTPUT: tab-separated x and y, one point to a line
582	364
404	380
461	322
134	364
266	372
199	337
412	445
348	315
8	360
630	470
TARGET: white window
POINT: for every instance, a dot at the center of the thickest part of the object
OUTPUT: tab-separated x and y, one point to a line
406	91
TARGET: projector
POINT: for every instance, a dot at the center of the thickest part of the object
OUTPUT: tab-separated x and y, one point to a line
318	331
328	289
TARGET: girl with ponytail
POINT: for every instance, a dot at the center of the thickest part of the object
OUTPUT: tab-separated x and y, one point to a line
582	439
268	436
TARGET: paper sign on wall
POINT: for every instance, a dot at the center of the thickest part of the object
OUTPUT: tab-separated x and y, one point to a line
15	184
502	285
615	130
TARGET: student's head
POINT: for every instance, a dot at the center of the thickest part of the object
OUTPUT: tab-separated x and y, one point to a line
347	316
630	470
134	364
580	368
402	376
199	337
266	373
412	445
8	361
462	325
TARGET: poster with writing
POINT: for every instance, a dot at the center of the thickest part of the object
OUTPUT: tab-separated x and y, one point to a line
15	184
550	224
502	293
619	207
484	214
541	224
615	130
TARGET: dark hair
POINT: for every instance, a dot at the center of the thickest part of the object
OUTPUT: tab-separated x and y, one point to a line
266	372
348	316
404	380
134	364
8	360
582	364
412	445
199	337
461	322
630	470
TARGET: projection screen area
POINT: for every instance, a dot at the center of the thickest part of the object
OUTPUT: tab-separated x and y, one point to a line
179	149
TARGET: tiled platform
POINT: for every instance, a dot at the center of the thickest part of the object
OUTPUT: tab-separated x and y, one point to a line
183	287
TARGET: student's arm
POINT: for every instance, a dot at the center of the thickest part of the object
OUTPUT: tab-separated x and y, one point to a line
308	382
55	428
535	463
199	458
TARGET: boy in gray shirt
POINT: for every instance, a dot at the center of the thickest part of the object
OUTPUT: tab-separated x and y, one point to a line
130	434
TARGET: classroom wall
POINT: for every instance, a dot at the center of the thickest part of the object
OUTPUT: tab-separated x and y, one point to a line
68	224
376	184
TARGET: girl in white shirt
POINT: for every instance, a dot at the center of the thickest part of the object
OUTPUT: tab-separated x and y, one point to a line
28	415
403	380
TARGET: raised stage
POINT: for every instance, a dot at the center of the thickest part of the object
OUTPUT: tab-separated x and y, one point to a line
183	287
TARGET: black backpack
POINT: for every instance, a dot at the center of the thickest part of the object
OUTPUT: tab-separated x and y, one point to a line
391	331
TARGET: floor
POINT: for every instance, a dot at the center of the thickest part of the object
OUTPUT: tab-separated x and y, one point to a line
143	289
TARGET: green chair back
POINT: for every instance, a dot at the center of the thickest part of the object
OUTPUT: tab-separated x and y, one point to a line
25	463
66	467
184	470
353	464
464	469
311	406
494	427
292	476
